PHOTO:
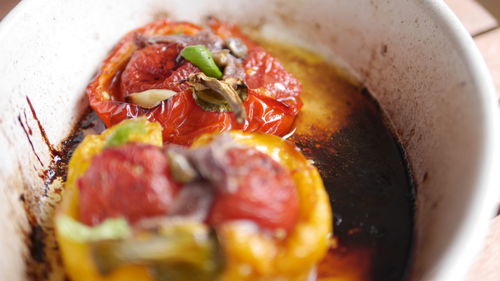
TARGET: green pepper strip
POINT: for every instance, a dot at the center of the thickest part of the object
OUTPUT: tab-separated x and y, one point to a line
116	228
200	56
121	135
185	252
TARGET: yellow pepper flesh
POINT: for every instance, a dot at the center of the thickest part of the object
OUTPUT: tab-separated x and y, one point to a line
250	255
76	255
258	257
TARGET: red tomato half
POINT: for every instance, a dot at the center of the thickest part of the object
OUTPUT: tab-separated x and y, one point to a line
131	181
265	192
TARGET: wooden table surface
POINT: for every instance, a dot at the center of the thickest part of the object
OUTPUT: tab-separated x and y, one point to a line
481	18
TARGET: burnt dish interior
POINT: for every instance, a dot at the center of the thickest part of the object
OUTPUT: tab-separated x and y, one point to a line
343	130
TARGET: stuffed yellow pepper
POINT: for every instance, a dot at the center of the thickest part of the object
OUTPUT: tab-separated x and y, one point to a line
235	206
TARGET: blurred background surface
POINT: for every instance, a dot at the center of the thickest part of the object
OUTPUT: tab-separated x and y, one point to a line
6	6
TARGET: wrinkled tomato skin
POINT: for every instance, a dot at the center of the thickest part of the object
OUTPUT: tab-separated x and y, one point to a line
266	77
273	95
266	193
131	181
150	68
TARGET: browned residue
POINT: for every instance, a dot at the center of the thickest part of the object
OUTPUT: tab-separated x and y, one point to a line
27	131
30	131
40	203
160	15
343	130
51	148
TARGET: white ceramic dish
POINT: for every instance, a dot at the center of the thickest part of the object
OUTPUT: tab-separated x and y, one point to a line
413	55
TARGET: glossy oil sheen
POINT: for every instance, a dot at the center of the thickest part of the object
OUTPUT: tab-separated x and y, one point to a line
342	129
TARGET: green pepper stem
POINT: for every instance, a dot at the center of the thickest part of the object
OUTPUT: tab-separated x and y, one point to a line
225	89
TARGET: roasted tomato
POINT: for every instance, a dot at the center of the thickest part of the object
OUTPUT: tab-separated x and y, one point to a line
263	191
151	72
269	258
131	181
135	211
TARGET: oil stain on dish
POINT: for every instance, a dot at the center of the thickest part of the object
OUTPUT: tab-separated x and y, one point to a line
343	130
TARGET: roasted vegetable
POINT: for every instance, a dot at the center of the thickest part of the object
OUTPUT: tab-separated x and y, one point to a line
253	255
76	253
168	55
250	207
180	251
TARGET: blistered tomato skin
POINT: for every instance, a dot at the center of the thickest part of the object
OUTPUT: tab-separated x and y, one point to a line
273	94
266	77
264	192
151	68
131	181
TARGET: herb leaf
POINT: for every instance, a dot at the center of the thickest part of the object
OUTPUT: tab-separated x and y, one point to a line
121	135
